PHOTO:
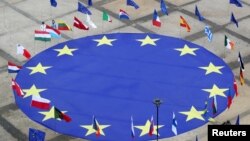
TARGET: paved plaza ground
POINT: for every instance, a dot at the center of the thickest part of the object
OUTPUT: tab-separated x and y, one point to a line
19	19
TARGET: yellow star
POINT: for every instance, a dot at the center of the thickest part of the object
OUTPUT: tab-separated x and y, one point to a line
148	40
39	68
212	68
104	41
65	51
32	91
145	128
50	114
187	50
193	113
216	91
91	130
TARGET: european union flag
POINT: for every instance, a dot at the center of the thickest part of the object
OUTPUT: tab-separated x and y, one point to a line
198	14
83	9
164	9
132	3
36	135
53	3
234	20
236	2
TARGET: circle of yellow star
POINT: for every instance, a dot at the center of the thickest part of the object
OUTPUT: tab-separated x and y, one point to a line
145	128
50	114
193	114
104	41
39	68
186	50
65	51
212	68
33	90
91	130
148	41
216	91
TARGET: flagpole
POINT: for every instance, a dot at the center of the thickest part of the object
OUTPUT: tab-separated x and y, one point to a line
157	103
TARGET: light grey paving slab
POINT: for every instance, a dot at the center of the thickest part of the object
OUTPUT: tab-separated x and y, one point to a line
14	1
179	2
223	10
171	25
21	122
3	62
6	96
146	8
5	136
129	29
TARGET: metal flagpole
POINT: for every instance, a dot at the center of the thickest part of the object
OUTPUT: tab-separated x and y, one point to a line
157	103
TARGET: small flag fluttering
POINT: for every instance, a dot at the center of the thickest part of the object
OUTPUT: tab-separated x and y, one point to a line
42	36
53	32
106	17
90	22
183	23
36	135
78	24
234	20
236	2
156	20
164	9
242	80
209	33
198	14
13	68
23	51
132	3
174	125
237	120
229	99
123	15
96	127
228	43
17	88
39	102
151	127
242	66
132	128
61	115
62	25
53	3
83	9
236	88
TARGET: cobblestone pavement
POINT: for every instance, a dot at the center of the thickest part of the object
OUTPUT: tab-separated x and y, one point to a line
19	19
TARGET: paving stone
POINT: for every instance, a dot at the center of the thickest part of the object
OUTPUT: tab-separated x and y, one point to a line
6	96
3	62
5	136
243	28
179	2
14	1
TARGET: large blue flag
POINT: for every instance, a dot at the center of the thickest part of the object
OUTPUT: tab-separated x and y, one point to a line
164	9
53	3
36	135
198	14
234	20
83	9
132	3
236	2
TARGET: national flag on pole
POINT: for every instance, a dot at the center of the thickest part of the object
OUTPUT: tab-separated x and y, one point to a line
42	36
40	102
209	33
234	20
236	88
123	15
242	80
132	128
23	51
78	24
198	14
156	20
90	22
96	127
228	44
214	105
196	139
164	9
106	17
174	125
236	2
132	3
237	120
241	62
36	135
62	25
151	127
83	9
53	3
13	68
229	99
184	23
53	32
61	115
16	88
90	2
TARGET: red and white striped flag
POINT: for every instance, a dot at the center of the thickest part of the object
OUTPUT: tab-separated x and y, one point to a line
17	88
23	51
40	102
79	24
